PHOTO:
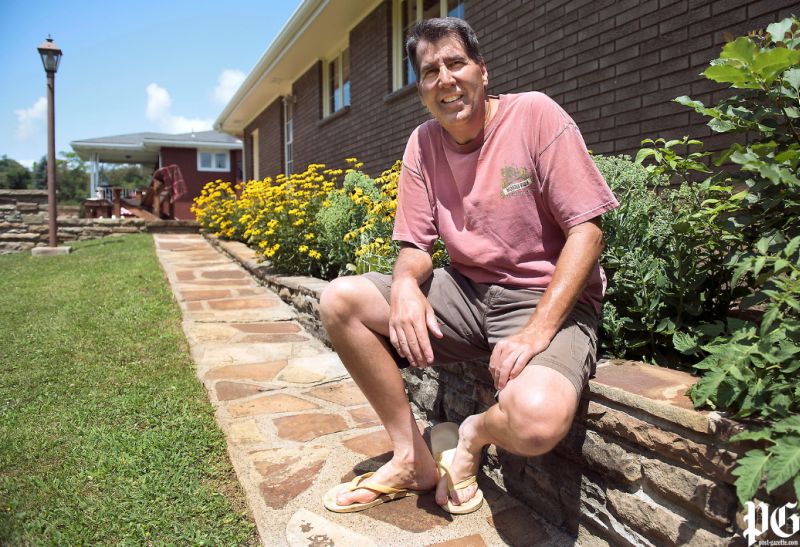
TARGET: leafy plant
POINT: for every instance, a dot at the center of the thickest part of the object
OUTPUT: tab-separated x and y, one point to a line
663	275
752	369
341	211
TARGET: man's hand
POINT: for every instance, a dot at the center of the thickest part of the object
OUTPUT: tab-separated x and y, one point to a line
410	320
512	354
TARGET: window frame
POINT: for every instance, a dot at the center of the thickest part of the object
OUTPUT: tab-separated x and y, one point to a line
213	152
335	60
254	145
398	38
288	134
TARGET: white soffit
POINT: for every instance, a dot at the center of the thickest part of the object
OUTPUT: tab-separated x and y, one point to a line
306	38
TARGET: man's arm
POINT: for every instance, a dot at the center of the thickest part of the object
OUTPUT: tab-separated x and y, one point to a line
573	269
411	314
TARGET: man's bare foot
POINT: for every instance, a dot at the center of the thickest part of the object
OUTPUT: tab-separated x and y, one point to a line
419	474
465	463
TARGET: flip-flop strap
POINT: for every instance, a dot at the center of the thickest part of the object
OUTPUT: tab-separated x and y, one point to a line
466	482
458	486
358	482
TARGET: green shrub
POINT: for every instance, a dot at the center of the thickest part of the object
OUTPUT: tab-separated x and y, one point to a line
342	211
662	279
751	368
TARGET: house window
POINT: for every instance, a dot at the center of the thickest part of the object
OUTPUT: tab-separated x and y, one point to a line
404	14
288	134
213	160
256	157
336	83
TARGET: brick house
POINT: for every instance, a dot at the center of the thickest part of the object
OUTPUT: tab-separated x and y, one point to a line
335	84
202	156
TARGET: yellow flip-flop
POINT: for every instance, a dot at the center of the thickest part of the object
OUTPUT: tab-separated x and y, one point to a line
444	439
387	494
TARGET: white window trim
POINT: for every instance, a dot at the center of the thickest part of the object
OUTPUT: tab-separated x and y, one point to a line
288	116
326	80
213	155
397	39
256	159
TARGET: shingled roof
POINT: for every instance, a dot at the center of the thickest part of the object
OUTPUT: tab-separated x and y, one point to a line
144	147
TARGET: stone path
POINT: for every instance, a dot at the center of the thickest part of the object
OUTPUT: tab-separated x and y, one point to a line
295	423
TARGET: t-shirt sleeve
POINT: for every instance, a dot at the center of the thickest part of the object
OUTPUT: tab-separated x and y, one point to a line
572	186
414	222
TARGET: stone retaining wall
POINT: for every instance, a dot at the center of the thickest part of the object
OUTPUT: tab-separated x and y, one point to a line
640	466
23	223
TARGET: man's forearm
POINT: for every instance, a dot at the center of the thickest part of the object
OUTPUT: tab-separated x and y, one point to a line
412	265
574	267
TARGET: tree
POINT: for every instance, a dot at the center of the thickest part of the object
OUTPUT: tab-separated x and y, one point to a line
72	177
39	177
127	176
14	175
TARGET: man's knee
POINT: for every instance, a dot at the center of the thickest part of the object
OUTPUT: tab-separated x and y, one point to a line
343	299
537	421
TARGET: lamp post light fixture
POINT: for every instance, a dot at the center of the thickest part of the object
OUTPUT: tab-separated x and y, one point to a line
51	58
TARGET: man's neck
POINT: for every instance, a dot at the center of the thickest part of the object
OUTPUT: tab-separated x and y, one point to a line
470	133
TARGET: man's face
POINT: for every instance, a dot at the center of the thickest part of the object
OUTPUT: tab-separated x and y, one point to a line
452	86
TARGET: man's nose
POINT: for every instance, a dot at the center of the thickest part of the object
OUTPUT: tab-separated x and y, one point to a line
445	77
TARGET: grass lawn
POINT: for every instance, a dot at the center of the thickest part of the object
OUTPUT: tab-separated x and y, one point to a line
106	435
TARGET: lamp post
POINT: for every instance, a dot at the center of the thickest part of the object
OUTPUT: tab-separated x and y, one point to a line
51	57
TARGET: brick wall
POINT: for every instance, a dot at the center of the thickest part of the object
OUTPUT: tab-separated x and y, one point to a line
616	65
375	126
270	142
613	65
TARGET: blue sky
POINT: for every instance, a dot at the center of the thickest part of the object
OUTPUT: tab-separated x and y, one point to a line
149	65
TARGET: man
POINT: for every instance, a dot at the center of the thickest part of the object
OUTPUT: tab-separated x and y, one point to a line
508	185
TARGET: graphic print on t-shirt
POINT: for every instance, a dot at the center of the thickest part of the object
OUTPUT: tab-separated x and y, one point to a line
514	179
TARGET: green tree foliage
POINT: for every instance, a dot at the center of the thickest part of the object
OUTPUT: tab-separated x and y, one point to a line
72	177
127	176
14	175
39	174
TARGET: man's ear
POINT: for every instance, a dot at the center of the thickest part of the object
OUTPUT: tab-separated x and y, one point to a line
485	75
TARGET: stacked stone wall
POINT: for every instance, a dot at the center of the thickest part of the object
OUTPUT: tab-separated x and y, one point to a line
23	223
639	467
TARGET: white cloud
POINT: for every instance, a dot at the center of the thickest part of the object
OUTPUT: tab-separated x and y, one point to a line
30	119
27	163
159	112
227	84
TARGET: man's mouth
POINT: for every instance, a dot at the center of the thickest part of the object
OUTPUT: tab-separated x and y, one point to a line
451	98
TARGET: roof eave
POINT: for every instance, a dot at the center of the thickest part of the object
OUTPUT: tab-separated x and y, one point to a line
239	113
152	144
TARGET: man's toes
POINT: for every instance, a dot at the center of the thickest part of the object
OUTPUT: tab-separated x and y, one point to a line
350	497
464	495
441	491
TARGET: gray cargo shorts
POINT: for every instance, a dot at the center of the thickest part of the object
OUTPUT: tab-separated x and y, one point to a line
475	316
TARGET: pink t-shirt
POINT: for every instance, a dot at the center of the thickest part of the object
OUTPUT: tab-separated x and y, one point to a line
503	202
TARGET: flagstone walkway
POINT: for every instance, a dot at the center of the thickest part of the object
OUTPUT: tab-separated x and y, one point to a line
296	424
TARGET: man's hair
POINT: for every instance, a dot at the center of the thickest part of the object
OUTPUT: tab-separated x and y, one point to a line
433	30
